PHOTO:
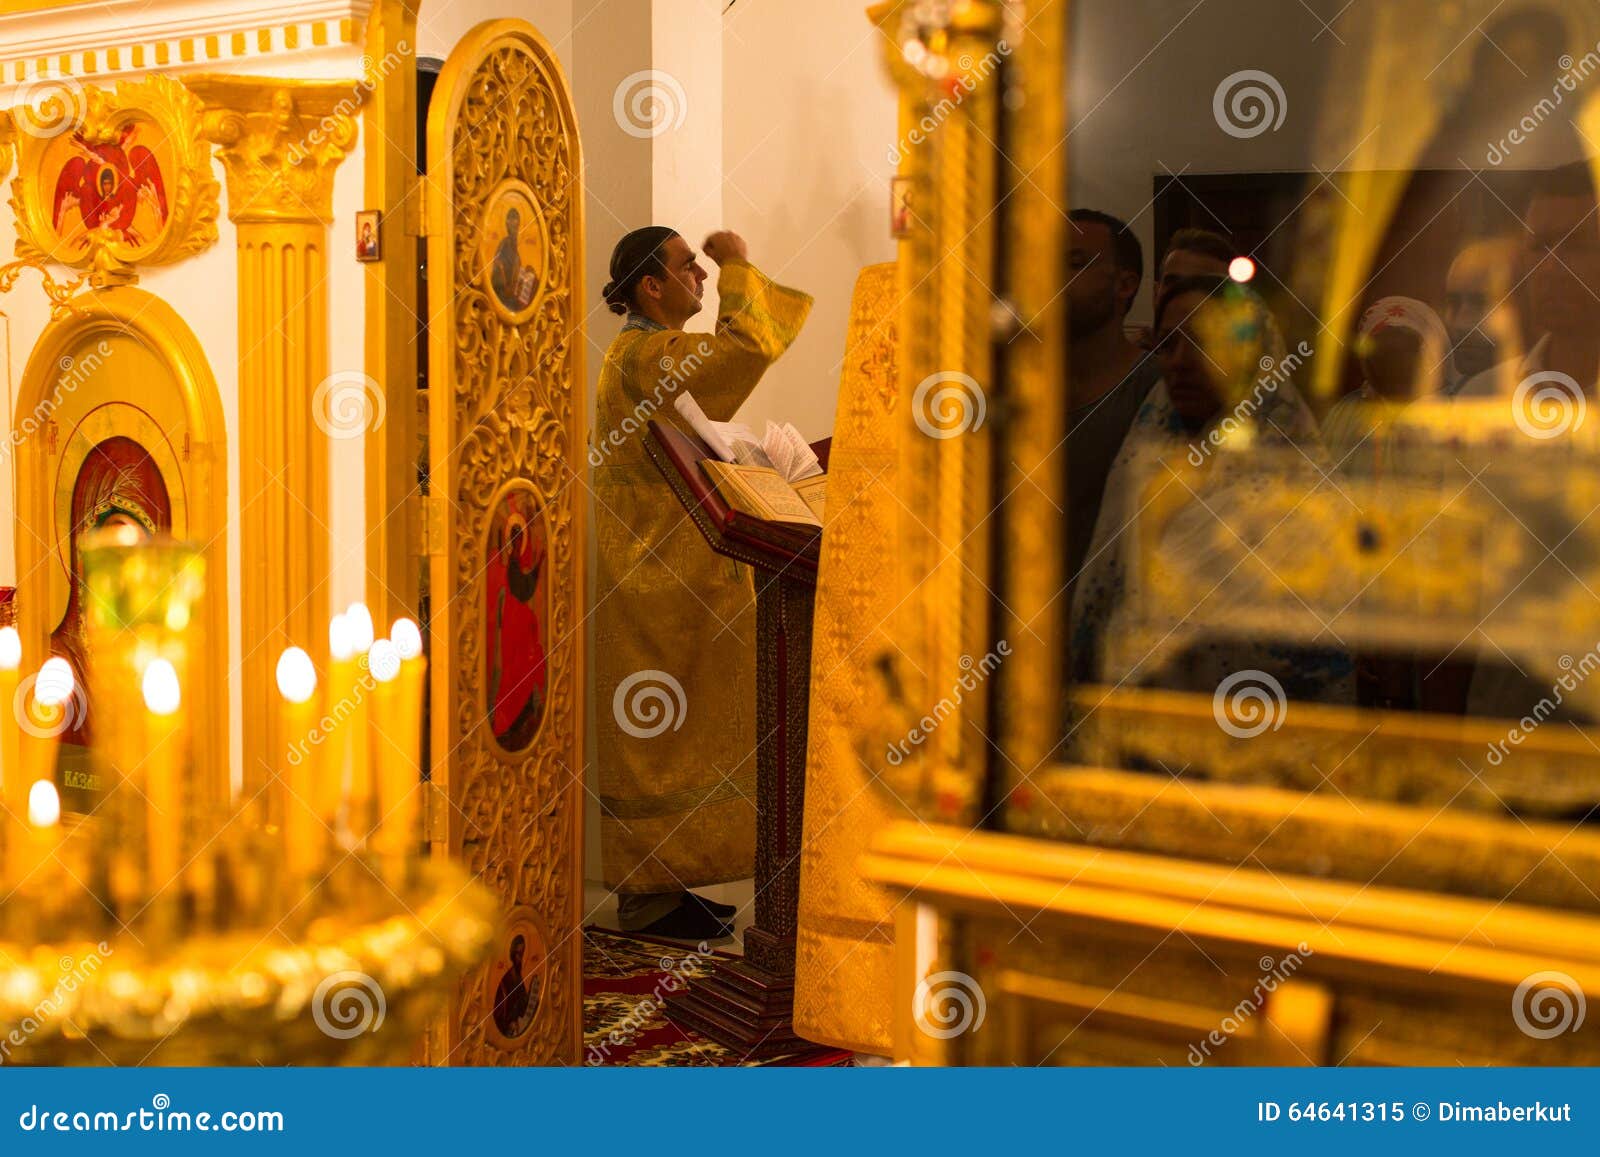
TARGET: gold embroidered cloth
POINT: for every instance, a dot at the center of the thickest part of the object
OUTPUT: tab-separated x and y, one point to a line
845	950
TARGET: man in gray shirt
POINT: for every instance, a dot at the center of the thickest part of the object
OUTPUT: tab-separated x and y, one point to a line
1108	375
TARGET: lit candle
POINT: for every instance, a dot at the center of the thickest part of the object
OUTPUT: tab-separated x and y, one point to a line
44	827
297	683
359	620
163	767
407	731
342	674
13	781
45	715
383	663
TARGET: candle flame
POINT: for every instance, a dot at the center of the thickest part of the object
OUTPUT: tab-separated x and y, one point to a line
341	638
44	804
55	682
10	649
383	660
360	620
161	692
297	678
406	638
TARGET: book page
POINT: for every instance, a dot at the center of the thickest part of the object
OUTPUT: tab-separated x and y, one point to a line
814	492
790	453
759	492
710	432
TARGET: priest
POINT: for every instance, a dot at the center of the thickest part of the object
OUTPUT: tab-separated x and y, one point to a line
674	639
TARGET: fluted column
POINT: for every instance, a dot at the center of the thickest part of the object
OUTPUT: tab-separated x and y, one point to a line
280	142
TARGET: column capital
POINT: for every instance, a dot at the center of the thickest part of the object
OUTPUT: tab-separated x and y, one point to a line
279	142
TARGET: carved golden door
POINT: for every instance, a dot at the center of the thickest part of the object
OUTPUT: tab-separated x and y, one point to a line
505	515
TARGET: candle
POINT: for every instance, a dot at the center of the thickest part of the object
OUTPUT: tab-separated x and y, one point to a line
407	734
359	621
13	781
342	672
162	763
297	683
383	663
44	827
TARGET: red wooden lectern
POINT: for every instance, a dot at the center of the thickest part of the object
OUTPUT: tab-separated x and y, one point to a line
748	1004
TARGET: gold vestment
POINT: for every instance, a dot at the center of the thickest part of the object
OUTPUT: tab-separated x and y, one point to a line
675	645
845	949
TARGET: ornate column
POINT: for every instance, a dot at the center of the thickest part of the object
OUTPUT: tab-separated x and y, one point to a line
279	142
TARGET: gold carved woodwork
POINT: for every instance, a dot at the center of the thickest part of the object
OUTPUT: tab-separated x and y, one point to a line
944	432
507	424
280	143
139	142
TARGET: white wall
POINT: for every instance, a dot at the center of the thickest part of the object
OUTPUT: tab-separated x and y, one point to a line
808	122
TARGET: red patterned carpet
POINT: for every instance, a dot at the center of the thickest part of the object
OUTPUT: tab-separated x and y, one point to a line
626	981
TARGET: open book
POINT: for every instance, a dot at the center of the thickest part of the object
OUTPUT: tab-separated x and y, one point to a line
782	448
777	478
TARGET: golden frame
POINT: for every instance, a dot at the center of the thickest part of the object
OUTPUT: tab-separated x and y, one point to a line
1309	833
193	192
126	313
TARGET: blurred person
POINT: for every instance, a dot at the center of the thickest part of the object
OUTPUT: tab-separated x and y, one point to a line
1195	253
1480	309
1108	375
1558	269
1403	349
1194	453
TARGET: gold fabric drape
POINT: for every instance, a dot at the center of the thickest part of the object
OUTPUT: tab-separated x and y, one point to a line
675	645
845	951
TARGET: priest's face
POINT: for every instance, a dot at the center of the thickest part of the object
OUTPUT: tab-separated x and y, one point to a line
683	287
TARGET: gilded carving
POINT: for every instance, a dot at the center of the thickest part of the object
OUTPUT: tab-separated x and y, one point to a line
280	142
113	179
506	420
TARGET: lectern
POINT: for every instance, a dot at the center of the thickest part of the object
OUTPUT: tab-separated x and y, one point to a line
748	1004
